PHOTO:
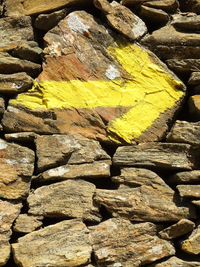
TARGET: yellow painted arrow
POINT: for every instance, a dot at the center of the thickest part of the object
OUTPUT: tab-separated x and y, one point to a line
150	92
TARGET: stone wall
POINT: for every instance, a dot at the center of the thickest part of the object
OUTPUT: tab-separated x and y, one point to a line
100	133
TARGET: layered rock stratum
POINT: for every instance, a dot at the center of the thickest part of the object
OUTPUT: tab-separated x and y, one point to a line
100	127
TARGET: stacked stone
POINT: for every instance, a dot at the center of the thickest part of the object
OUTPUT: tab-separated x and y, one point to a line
97	165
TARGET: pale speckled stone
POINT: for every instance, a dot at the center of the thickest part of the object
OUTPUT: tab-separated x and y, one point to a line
191	245
62	244
26	223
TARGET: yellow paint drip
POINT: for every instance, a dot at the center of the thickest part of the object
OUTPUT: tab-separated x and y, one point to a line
150	91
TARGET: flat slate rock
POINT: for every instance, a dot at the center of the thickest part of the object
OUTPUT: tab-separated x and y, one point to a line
55	150
154	15
178	229
189	191
68	199
185	177
191	245
142	204
26	223
185	132
62	244
176	262
88	65
170	156
117	242
194	78
16	168
8	213
181	45
194	106
184	66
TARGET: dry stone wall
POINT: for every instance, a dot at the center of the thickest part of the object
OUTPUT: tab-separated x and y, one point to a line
99	133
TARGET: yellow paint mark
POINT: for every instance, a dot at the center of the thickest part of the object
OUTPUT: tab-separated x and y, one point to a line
150	91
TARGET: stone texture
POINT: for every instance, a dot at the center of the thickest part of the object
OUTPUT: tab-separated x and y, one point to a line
185	177
142	204
99	169
182	227
168	5
15	83
184	66
31	7
194	106
10	65
190	5
24	137
27	224
189	191
104	65
196	203
194	79
62	244
55	150
2	107
188	22
191	244
8	213
180	45
170	156
122	19
138	177
185	132
117	242
153	15
68	199
16	169
176	262
47	21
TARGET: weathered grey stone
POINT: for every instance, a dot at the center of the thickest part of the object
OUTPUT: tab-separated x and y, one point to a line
185	132
122	19
10	65
180	45
154	15
182	227
176	262
117	242
189	191
22	137
191	244
138	177
27	224
156	155
184	66
46	22
62	244
194	78
68	199
185	177
96	169
15	83
168	5
188	22
142	204
8	213
55	150
16	168
194	106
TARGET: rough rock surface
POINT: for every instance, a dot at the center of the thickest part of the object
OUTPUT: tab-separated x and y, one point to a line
156	155
141	204
117	242
191	244
16	169
68	199
194	106
27	224
176	262
154	15
194	78
182	227
185	177
105	65
62	244
122	19
191	191
184	66
185	132
15	83
8	213
55	150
